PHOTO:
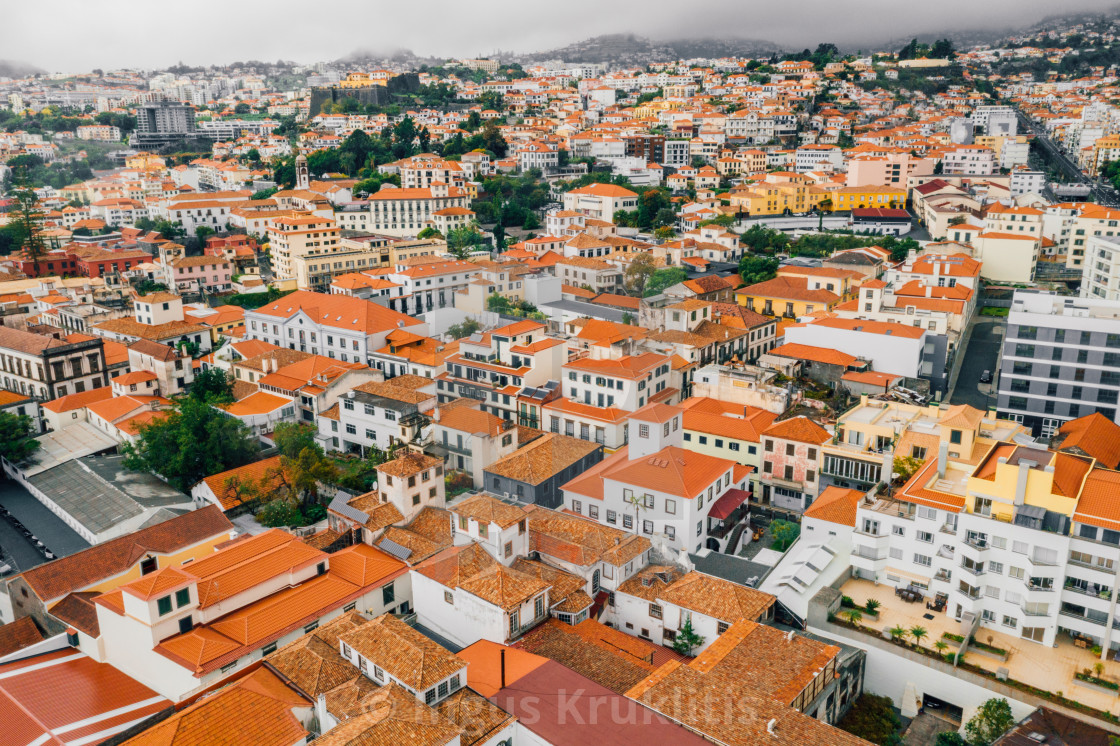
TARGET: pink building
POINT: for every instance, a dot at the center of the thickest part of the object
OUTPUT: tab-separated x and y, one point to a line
887	169
791	456
199	272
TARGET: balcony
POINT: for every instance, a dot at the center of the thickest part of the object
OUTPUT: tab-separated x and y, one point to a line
976	570
943	575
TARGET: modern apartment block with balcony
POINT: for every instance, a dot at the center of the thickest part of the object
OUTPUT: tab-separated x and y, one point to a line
1061	360
1014	536
496	366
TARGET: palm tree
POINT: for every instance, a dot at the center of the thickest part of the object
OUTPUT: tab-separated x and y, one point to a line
639	503
898	633
941	646
854	616
918	633
872	605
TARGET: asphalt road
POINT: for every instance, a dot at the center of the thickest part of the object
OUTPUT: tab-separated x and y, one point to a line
982	354
45	525
1103	193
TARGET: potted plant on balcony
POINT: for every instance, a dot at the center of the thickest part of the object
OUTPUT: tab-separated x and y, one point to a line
872	607
918	633
898	633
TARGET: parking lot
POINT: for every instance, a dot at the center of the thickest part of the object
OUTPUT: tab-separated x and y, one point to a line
27	524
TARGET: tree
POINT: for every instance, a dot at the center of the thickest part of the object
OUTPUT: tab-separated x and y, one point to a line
253	155
213	386
873	718
662	279
27	218
855	616
638	274
492	139
754	268
203	232
950	738
898	633
905	466
280	513
17	440
785	533
628	318
463	240
941	646
463	329
428	232
687	640
991	721
304	473
264	193
193	441
918	633
291	438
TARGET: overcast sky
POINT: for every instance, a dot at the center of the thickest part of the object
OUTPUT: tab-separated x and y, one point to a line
77	35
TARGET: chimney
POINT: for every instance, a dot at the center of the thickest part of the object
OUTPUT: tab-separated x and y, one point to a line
1021	482
771	725
942	458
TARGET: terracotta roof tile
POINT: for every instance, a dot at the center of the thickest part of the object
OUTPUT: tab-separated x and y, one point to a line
836	505
83	569
404	653
258	708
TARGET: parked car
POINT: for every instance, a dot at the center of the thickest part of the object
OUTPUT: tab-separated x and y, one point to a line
986	377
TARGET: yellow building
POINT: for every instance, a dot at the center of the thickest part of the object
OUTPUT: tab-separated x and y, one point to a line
848	198
778	194
144	160
365	80
1104	149
790	297
729	431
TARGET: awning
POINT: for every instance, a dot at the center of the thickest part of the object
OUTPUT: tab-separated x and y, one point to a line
727	503
907	575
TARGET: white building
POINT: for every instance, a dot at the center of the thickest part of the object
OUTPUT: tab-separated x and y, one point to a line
336	326
656	487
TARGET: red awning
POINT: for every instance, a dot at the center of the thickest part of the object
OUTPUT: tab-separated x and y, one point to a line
727	503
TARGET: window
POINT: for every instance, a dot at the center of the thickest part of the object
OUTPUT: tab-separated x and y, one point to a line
670	506
923	560
655	611
1019	547
388	595
448	597
925	536
182	597
508	549
898	530
995	568
647	527
593	511
163	605
577	506
612	516
1016	573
